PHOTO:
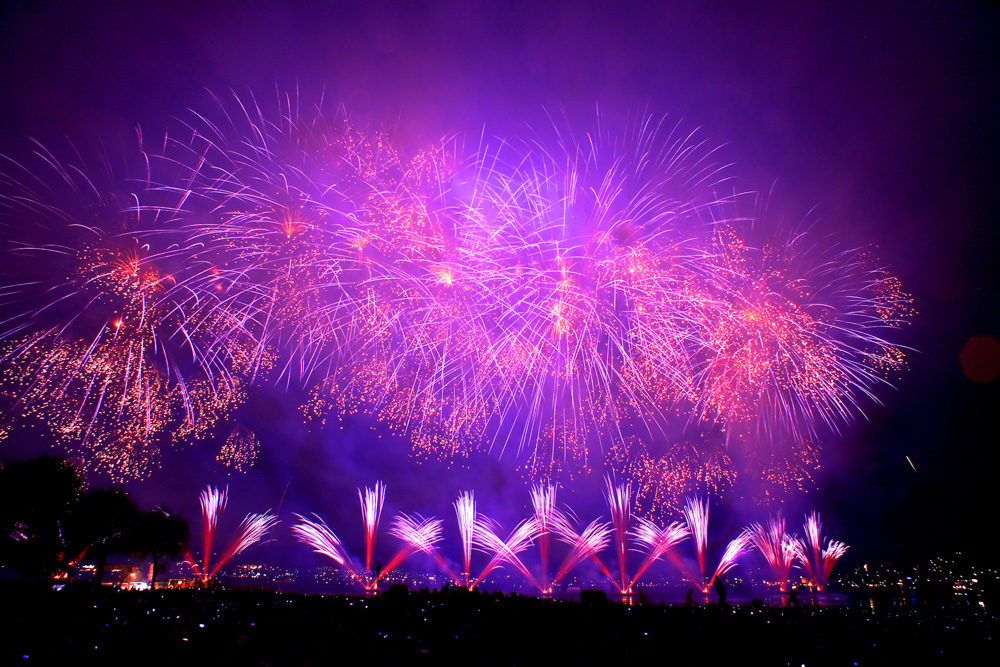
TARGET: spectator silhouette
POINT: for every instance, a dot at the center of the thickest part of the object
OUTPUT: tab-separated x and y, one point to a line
720	590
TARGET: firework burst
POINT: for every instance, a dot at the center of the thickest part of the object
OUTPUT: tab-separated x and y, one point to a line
582	300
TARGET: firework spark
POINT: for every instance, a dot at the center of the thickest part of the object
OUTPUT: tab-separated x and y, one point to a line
371	509
465	512
505	551
815	559
316	534
776	546
418	535
696	515
583	545
620	502
543	502
253	529
577	299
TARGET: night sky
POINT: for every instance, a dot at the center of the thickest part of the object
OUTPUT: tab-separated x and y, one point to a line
875	123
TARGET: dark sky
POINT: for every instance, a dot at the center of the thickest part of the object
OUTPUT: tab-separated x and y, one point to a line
877	120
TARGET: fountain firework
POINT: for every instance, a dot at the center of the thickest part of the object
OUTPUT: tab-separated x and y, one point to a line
465	512
620	502
776	546
658	542
371	510
815	559
253	529
416	533
696	515
543	502
482	534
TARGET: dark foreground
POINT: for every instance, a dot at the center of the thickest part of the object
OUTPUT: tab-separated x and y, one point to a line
217	627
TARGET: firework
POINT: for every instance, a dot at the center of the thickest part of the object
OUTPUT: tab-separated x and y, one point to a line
794	338
696	515
371	510
239	452
658	541
815	559
620	502
505	551
318	535
583	545
418	535
324	541
253	529
465	512
776	546
580	299
543	502
101	345
700	463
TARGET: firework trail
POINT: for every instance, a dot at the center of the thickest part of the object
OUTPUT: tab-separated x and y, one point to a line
543	502
318	535
253	529
620	502
505	551
776	546
418	535
213	503
465	512
481	532
658	541
371	509
696	515
815	559
583	545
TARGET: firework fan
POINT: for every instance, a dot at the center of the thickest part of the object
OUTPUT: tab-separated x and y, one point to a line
579	300
95	342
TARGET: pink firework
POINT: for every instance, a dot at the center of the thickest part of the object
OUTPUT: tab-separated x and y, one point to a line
560	298
583	545
620	502
318	535
658	541
481	532
465	511
776	546
505	551
418	535
696	514
815	559
371	500
371	510
253	529
213	503
795	338
543	502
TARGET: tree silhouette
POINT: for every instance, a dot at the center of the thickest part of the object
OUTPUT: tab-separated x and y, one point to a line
102	523
158	534
37	497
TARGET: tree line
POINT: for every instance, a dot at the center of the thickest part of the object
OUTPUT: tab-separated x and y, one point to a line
51	522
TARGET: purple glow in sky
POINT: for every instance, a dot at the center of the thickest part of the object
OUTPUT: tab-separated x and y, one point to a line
874	125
